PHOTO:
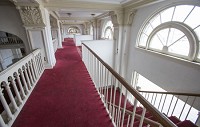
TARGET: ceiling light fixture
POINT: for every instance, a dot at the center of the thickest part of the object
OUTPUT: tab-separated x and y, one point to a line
92	15
69	14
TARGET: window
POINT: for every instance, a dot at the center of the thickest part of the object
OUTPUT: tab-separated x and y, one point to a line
73	30
173	31
107	31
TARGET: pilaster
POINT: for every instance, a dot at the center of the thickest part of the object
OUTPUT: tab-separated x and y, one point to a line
128	20
36	23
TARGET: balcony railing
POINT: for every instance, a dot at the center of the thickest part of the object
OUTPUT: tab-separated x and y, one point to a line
115	92
185	106
11	41
17	83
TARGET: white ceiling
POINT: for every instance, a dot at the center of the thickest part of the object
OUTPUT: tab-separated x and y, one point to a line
81	10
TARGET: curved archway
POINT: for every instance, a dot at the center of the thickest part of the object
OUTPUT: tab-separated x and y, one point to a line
12	49
73	30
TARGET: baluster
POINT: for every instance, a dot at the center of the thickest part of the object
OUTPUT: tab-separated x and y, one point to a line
111	89
190	107
163	103
155	100
124	109
20	85
37	65
104	83
170	104
7	87
128	120
29	74
5	105
133	114
115	87
160	101
31	70
183	107
107	88
152	98
34	67
98	77
120	99
27	78
41	62
10	79
142	117
2	123
23	81
175	105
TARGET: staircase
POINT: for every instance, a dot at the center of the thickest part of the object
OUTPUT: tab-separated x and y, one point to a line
127	106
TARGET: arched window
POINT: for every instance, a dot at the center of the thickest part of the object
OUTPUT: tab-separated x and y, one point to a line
174	31
73	30
107	30
108	34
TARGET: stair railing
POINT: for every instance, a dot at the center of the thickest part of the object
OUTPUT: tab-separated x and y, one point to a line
181	105
109	84
17	83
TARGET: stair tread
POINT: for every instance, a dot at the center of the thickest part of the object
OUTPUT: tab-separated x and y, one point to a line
186	123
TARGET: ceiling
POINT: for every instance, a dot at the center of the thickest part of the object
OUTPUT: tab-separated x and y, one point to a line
79	11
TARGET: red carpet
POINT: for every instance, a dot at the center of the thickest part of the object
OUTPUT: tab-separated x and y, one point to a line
64	96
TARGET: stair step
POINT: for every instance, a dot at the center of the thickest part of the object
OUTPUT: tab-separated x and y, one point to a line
174	119
186	123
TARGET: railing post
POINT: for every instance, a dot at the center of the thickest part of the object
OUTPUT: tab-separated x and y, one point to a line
5	105
15	89
23	81
19	83
26	76
2	123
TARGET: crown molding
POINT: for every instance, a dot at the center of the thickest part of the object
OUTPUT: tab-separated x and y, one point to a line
54	5
139	3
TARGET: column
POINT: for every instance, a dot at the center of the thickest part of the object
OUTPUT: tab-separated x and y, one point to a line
127	36
117	20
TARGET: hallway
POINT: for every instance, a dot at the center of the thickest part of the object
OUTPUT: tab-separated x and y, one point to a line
64	96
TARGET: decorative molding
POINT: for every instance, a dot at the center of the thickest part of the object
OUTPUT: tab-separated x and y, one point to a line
129	17
53	22
31	15
117	17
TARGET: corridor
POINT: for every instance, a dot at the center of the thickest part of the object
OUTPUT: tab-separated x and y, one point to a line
64	96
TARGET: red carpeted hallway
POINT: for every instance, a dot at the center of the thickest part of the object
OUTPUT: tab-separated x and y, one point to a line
64	96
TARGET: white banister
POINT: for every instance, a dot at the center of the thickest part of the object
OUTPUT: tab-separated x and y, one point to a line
115	91
21	77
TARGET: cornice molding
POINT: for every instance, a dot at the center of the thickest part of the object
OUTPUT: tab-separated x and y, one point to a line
53	5
139	3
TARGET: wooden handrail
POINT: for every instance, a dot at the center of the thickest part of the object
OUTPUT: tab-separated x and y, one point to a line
160	117
174	93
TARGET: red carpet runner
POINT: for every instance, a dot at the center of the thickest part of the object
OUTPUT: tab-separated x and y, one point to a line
64	96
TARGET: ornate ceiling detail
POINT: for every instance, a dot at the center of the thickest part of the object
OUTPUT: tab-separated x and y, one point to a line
31	15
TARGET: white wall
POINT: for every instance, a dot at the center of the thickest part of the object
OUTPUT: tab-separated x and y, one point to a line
11	23
103	48
79	38
169	73
6	57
